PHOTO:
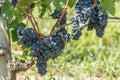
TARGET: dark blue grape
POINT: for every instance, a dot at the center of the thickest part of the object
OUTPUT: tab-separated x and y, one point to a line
84	11
63	32
98	21
27	36
100	32
56	15
41	64
76	31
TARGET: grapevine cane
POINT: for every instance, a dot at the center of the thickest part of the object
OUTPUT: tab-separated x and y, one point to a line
19	5
63	12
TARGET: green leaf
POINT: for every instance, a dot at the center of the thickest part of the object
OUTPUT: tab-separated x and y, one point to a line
57	5
7	11
109	6
14	35
14	30
72	3
13	24
18	14
43	10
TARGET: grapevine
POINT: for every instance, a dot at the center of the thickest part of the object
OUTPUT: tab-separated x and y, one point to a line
89	13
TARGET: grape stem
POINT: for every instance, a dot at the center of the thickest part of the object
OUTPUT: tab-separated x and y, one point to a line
62	27
25	12
35	22
94	3
58	29
117	18
33	18
63	12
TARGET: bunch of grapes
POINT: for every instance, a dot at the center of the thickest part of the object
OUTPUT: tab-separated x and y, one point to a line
44	49
85	11
27	36
76	31
56	15
41	64
98	21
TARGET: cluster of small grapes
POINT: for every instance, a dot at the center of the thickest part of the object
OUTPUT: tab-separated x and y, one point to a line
44	49
98	21
83	12
27	36
56	15
86	11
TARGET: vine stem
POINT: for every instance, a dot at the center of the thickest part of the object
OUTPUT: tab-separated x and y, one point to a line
117	18
63	12
58	29
36	24
25	12
114	18
63	26
94	3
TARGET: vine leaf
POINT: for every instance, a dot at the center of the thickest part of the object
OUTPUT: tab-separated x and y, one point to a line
14	26
14	35
72	3
109	6
7	11
43	10
19	16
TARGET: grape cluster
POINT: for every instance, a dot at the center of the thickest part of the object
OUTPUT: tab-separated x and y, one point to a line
83	12
56	15
76	31
39	48
41	64
27	36
86	11
98	21
44	49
